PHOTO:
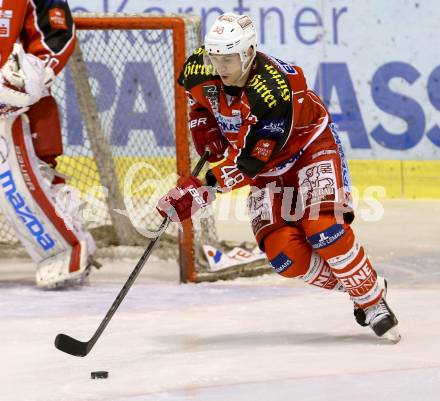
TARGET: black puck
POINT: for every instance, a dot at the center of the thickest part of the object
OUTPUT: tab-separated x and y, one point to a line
100	374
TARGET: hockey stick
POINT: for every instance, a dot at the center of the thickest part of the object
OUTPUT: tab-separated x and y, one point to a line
75	347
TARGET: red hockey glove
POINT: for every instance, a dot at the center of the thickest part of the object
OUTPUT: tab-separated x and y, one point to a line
206	133
182	202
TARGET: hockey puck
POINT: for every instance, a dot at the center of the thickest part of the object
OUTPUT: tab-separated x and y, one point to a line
100	374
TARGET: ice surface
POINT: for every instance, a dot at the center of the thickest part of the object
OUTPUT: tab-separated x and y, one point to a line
265	338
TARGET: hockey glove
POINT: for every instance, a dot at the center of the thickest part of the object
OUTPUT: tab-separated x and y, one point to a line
206	134
181	202
22	82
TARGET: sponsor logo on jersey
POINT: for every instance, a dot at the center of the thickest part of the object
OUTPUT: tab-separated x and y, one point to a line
272	128
24	212
211	94
259	205
281	82
263	149
57	18
228	123
318	183
286	164
196	68
345	172
323	153
258	84
5	23
6	14
286	67
281	262
327	237
265	89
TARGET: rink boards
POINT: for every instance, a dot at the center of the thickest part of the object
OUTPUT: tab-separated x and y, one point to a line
392	179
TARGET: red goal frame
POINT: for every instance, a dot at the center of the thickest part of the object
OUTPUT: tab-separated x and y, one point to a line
183	163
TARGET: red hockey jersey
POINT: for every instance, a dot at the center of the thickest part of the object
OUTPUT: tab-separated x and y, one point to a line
45	28
268	124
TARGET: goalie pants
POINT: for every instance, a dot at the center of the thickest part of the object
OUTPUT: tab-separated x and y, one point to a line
45	126
302	221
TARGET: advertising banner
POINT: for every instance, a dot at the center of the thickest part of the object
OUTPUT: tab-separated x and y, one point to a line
375	63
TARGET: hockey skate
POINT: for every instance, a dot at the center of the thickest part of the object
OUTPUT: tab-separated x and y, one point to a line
359	313
382	321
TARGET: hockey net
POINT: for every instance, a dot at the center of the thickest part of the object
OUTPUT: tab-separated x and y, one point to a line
124	121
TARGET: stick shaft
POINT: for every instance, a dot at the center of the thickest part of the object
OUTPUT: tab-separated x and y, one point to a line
79	348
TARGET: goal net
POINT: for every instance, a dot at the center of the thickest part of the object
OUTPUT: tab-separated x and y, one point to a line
126	141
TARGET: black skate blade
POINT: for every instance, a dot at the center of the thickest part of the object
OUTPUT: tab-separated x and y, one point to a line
71	346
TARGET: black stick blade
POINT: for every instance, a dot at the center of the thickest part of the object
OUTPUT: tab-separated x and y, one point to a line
71	346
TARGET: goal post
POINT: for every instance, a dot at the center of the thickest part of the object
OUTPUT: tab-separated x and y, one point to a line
184	34
126	138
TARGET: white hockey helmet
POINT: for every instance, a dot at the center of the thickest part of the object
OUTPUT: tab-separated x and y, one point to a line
232	33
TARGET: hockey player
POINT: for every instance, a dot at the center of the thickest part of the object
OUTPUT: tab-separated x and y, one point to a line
36	39
255	113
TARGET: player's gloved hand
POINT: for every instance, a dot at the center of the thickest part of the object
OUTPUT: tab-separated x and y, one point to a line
206	134
216	144
22	82
181	202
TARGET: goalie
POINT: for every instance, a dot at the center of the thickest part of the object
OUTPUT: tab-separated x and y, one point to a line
255	113
37	37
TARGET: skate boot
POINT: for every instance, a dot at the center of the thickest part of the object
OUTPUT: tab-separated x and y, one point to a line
359	313
382	321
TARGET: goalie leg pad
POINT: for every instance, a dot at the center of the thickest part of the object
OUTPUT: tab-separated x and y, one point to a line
54	272
28	201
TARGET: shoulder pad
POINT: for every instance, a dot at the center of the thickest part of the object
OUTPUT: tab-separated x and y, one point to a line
293	73
269	87
195	71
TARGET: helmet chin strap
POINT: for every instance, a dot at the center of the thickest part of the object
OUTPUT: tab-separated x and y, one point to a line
246	69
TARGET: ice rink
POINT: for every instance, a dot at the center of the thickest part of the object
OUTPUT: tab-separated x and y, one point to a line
265	338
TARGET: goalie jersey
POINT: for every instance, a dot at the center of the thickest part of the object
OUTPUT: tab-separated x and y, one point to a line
268	124
45	29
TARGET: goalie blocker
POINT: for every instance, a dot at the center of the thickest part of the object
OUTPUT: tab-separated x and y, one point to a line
60	248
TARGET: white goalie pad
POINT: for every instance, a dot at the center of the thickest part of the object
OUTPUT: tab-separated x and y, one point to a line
59	246
54	271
